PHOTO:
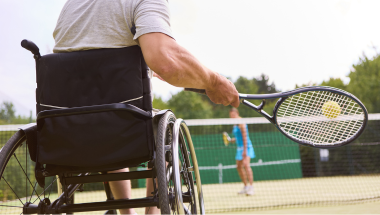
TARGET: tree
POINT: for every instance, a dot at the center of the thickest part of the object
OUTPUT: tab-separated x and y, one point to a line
189	105
158	103
335	82
7	112
8	115
263	85
246	86
365	82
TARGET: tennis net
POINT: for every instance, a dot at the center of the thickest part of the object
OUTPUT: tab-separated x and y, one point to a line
286	174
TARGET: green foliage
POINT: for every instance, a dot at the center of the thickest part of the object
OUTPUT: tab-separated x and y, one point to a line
263	85
189	105
244	85
365	82
158	103
7	112
335	82
8	115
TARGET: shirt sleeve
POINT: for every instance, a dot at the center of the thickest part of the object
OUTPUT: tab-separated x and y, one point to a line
152	16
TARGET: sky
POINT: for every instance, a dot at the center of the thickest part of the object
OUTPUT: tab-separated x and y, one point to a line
293	42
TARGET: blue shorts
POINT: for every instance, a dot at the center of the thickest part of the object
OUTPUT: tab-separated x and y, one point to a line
239	153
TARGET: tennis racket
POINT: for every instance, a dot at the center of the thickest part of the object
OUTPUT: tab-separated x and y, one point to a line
226	138
317	116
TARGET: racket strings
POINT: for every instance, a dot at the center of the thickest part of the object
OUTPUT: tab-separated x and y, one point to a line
321	126
304	117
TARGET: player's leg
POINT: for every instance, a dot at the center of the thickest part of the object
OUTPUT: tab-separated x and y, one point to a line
122	190
248	171
243	177
149	191
242	173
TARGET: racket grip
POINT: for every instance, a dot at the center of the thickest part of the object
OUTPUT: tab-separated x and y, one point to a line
200	91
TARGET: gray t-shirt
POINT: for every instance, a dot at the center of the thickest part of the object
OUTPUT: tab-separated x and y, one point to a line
94	24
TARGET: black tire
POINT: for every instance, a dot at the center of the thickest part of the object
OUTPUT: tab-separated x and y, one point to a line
17	182
164	135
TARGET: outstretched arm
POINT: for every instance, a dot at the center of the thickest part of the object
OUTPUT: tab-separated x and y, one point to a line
180	68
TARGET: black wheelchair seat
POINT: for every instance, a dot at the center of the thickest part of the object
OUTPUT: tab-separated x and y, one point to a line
94	110
94	135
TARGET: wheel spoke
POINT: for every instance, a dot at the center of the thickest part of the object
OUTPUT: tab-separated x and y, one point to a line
43	192
25	175
51	187
13	190
34	188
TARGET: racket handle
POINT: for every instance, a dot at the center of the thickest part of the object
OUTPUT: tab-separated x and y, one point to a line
200	91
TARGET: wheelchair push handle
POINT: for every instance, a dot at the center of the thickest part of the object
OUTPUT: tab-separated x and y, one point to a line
29	45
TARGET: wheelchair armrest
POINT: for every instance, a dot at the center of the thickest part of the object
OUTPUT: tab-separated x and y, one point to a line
94	109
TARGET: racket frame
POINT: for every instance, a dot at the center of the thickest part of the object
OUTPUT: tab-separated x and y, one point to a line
285	95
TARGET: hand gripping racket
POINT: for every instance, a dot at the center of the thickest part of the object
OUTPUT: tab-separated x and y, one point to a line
322	117
226	138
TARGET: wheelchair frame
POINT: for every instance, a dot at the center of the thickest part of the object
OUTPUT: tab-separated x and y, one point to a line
173	146
71	184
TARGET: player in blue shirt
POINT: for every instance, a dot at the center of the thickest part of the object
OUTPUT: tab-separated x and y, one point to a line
244	154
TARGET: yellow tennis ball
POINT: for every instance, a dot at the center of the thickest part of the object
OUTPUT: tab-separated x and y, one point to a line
331	109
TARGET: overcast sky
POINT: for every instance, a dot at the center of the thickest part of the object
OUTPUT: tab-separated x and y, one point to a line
293	42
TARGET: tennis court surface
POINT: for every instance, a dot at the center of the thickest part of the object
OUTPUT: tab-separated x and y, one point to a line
286	174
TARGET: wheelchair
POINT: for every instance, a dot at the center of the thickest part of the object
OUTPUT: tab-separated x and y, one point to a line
84	129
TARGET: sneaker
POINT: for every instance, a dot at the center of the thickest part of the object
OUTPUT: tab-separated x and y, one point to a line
243	191
250	191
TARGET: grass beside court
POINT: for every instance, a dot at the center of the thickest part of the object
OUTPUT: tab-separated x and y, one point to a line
360	208
341	195
283	195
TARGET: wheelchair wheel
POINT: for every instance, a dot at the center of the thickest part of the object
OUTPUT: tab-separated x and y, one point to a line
18	186
174	169
193	197
163	139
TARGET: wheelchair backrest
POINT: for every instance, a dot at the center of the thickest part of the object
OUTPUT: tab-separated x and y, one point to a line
93	77
94	109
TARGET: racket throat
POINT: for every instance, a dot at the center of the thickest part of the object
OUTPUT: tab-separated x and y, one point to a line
259	109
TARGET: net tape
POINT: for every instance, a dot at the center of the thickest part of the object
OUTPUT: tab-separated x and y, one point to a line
302	117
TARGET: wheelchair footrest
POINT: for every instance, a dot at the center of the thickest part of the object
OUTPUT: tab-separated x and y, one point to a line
108	177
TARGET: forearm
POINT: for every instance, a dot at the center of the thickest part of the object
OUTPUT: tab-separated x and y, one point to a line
180	68
175	64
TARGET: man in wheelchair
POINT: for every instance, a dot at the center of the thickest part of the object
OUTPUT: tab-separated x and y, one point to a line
94	106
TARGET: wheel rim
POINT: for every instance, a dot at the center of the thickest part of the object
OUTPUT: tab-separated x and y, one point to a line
185	176
18	186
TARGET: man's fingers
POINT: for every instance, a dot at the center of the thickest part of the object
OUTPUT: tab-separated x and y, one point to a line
236	102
